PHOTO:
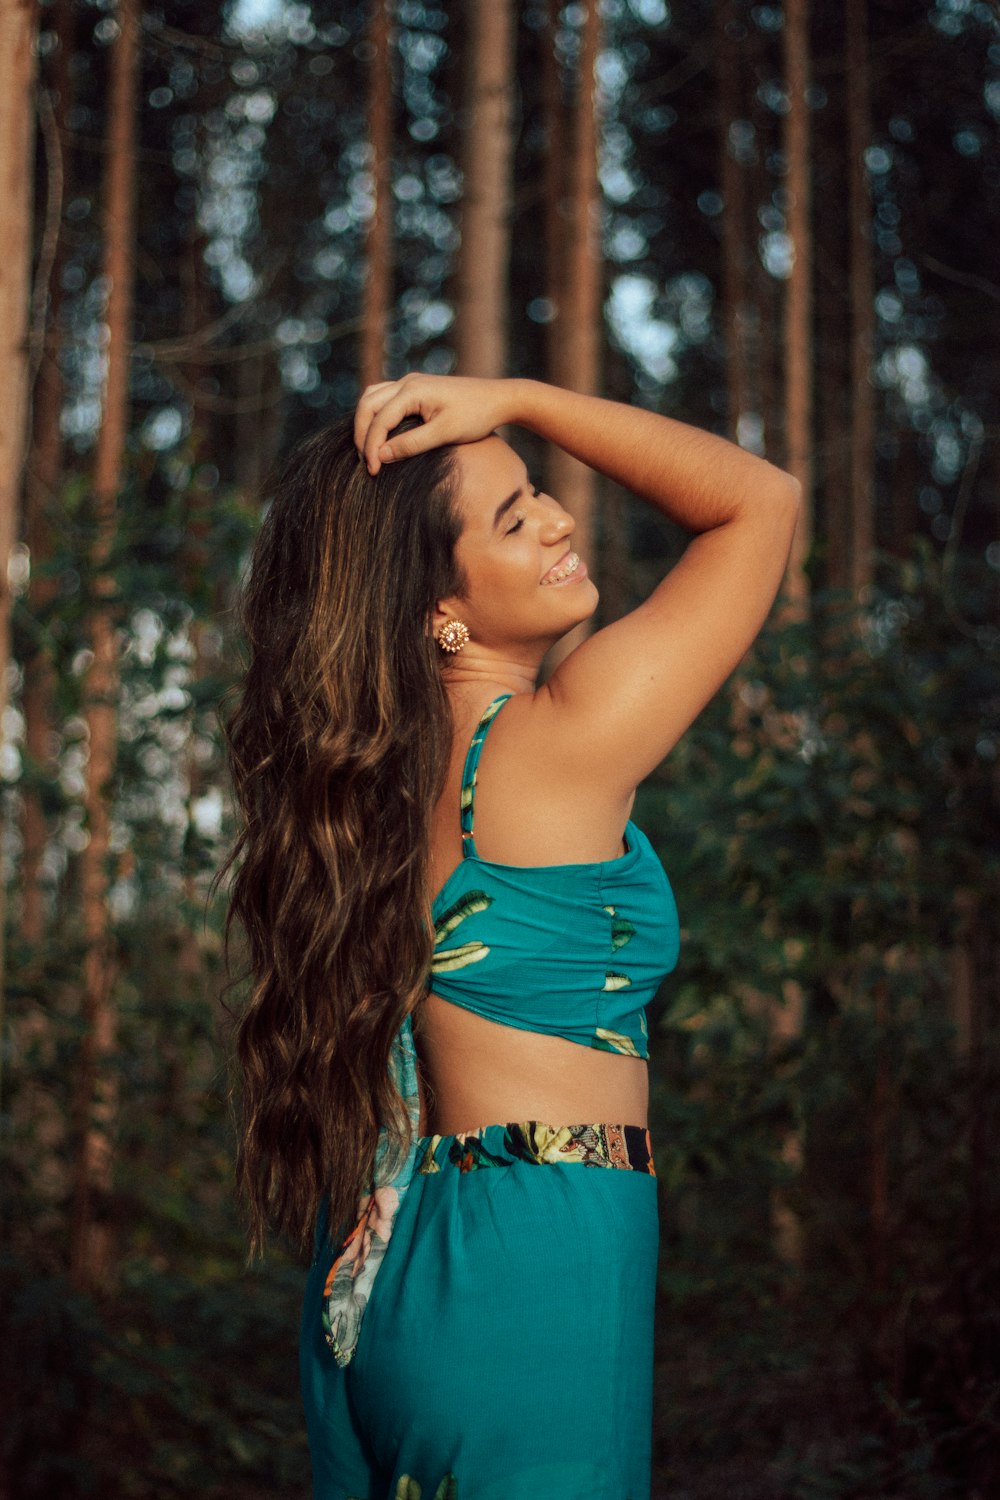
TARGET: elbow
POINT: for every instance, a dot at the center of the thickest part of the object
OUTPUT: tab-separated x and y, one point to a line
788	496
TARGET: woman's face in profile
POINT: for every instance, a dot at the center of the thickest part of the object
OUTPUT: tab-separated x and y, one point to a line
525	583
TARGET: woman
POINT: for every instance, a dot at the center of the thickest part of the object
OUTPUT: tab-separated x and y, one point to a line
454	925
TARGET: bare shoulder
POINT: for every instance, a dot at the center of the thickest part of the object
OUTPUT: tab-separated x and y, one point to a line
617	704
530	807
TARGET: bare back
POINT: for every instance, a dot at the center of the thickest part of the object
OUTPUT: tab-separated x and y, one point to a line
478	1070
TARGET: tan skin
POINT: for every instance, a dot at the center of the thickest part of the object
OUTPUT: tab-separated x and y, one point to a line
560	767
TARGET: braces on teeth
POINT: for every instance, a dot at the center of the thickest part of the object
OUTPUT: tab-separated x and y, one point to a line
570	566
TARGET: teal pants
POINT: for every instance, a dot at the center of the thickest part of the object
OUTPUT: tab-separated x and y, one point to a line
507	1350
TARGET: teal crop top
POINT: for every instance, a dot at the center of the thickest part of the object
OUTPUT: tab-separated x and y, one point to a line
572	950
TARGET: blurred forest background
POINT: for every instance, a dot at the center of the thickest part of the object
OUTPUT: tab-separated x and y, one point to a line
778	221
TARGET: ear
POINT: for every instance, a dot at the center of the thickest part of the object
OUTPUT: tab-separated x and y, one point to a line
439	616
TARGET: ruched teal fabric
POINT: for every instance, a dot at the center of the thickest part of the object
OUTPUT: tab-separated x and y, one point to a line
571	950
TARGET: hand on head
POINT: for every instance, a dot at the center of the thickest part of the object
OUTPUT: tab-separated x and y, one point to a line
453	409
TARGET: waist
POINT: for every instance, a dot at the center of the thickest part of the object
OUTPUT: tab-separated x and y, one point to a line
474	1069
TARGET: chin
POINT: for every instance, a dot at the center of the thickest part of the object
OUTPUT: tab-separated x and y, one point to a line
584	611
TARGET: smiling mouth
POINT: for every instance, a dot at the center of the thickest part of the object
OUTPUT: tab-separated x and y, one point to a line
563	569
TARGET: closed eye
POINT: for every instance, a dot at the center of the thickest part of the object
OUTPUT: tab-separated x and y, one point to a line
520	520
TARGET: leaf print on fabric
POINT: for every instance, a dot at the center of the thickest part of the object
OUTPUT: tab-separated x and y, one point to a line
450	959
613	1041
407	1488
600	1145
544	1145
491	712
349	1281
447	1489
468	1153
427	1162
550	1141
447	960
346	1292
622	930
470	905
615	981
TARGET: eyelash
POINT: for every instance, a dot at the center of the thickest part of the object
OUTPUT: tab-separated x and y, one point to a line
520	514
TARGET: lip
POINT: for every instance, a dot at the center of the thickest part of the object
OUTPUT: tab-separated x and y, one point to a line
580	571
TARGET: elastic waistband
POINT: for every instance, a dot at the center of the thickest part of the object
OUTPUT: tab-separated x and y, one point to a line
500	1145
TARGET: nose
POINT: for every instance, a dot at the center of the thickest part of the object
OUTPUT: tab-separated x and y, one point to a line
558	523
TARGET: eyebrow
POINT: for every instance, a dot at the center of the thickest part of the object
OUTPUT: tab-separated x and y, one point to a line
505	505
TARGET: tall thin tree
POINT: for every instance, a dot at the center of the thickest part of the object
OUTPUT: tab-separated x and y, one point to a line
730	35
91	1239
579	324
487	147
555	198
378	246
862	281
42	485
18	20
798	305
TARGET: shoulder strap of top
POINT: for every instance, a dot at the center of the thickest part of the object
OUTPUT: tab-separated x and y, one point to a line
469	773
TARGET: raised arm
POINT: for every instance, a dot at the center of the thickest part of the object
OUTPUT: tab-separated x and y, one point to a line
627	694
618	703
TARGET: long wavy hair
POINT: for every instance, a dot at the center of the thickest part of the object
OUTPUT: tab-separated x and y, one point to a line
338	751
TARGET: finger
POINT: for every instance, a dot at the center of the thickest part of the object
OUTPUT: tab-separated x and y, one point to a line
372	398
408	444
376	448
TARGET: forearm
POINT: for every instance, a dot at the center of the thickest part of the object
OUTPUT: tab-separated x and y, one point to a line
695	478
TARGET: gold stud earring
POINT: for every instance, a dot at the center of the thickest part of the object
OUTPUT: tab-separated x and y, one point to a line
452	636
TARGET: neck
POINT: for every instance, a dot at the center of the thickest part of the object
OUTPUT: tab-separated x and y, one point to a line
478	669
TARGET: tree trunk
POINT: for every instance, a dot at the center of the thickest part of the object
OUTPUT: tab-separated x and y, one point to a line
487	146
859	134
18	20
798	307
41	500
378	246
578	340
91	1240
555	201
730	33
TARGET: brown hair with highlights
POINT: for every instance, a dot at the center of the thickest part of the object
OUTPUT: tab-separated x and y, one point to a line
338	751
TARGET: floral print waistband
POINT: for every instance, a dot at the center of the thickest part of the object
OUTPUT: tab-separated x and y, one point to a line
590	1145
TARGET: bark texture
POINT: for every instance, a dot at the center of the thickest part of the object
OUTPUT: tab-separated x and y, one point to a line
41	497
555	186
798	307
18	20
378	245
579	322
487	145
730	35
862	274
91	1230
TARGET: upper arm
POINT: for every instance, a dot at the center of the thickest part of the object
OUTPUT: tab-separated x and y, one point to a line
618	703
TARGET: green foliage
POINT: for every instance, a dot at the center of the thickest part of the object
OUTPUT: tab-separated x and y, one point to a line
831	830
193	1377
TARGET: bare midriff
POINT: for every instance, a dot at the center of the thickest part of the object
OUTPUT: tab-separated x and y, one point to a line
480	1072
